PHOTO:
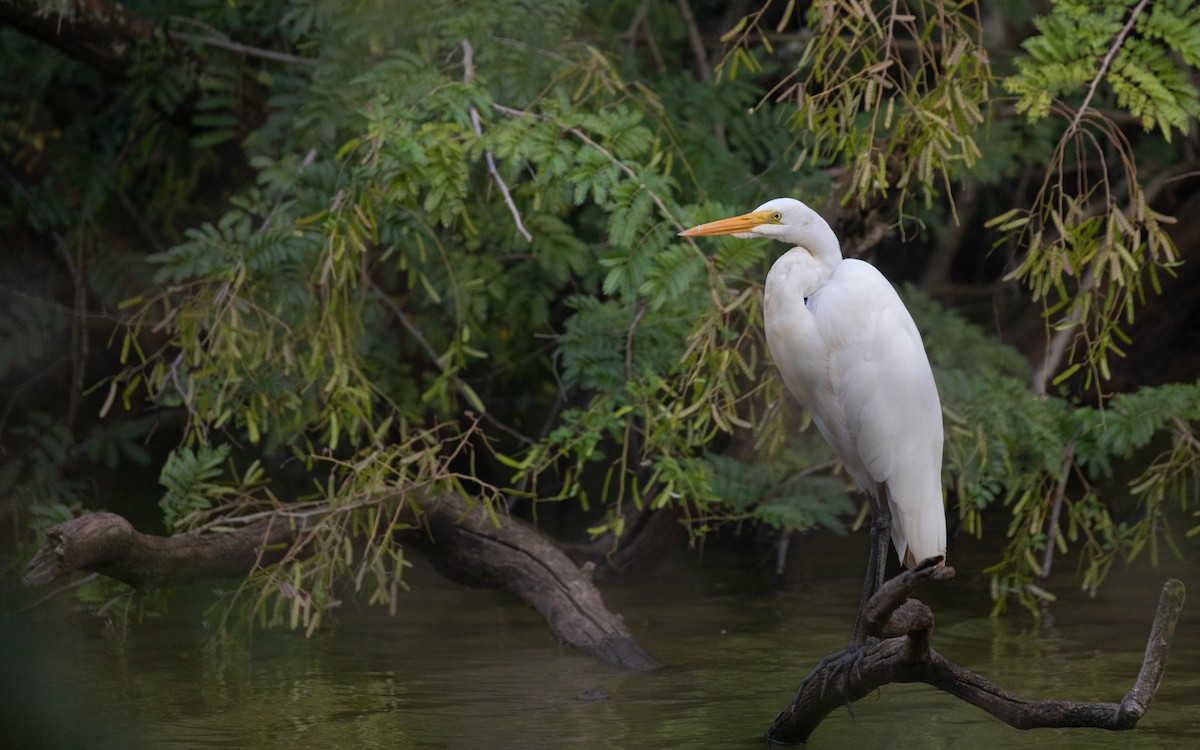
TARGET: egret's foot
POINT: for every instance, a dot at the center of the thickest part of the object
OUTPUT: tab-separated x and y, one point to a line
843	665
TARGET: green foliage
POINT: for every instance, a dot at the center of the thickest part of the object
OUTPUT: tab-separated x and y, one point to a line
459	231
32	473
116	444
899	95
346	531
187	477
1090	249
605	344
1005	446
1129	45
797	501
28	328
903	123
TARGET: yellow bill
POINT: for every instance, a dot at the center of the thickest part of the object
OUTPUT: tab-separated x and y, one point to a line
732	225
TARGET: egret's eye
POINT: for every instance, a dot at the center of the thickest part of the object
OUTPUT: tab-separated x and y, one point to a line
776	216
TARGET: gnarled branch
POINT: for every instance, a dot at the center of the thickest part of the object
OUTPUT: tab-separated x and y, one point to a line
899	651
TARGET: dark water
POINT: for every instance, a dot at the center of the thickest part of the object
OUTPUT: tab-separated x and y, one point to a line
462	668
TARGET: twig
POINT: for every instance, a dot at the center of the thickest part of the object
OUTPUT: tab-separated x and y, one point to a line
214	38
1060	490
61	589
1104	64
1065	332
468	74
1185	433
458	383
658	201
867	241
637	318
695	40
631	36
244	49
655	197
407	323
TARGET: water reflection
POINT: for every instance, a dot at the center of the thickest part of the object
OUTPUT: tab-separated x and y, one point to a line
463	668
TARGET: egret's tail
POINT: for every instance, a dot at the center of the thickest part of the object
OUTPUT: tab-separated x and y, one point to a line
918	529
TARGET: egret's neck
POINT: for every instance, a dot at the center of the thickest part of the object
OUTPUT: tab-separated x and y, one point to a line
805	268
795	276
824	247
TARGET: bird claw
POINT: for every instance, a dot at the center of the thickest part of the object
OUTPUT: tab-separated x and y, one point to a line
841	666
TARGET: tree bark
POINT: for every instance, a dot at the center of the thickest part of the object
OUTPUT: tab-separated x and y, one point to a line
462	541
514	556
100	34
649	537
899	651
108	544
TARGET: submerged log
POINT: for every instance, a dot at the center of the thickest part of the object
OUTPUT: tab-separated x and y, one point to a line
461	541
516	557
898	650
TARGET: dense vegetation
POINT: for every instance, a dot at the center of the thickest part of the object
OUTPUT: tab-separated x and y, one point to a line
301	253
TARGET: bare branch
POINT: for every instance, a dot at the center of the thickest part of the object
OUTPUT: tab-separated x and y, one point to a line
902	654
214	38
1060	491
1118	41
1023	714
695	40
468	74
108	544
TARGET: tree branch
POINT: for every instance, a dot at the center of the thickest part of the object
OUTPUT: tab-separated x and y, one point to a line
468	74
108	544
100	34
1023	714
899	651
214	38
459	384
466	545
1118	40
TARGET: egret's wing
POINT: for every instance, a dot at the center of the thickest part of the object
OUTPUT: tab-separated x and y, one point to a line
889	415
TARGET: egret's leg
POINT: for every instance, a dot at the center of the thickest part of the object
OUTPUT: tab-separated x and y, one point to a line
881	534
848	660
881	537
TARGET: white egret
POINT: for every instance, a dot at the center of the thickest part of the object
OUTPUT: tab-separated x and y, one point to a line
849	351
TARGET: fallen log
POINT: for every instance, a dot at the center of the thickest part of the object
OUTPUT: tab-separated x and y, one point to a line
516	557
462	541
898	650
108	544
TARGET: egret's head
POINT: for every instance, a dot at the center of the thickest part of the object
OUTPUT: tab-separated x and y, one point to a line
784	219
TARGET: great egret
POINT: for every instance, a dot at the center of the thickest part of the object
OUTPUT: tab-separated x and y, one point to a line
849	351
